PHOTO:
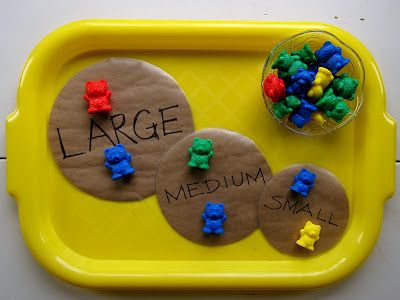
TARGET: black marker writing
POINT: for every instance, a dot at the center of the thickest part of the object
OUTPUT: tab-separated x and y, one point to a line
167	194
161	110
65	155
154	126
91	137
117	123
294	207
210	186
117	128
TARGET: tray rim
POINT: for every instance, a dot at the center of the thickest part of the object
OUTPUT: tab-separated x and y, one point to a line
249	274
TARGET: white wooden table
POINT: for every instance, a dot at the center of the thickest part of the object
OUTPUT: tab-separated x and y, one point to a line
24	23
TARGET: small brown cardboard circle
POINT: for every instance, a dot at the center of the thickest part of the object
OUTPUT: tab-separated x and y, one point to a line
142	95
282	212
238	173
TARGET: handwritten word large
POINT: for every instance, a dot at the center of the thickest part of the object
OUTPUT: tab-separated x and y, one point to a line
117	123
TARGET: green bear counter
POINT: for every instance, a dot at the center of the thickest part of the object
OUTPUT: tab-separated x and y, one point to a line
201	151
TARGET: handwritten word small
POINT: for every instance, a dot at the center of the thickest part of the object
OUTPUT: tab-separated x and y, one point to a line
298	206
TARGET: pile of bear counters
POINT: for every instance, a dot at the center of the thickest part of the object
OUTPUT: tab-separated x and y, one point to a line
306	86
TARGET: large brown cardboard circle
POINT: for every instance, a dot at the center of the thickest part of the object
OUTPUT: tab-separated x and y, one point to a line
236	158
137	87
282	213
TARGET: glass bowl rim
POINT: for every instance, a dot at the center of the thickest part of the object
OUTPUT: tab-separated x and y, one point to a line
361	95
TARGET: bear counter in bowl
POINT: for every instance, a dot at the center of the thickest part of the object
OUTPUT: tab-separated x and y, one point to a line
344	63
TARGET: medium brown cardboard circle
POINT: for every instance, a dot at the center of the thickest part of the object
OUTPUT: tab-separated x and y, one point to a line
282	213
238	173
149	114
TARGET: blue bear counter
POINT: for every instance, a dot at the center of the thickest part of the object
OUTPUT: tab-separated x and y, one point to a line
214	218
118	160
303	182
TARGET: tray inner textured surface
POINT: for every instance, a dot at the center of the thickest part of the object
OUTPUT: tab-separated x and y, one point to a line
223	90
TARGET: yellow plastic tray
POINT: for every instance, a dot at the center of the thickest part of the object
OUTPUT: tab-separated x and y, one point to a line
106	244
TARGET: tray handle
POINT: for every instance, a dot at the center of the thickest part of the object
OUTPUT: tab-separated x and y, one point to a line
14	148
388	138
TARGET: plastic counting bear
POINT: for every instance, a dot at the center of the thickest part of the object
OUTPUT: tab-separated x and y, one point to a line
311	77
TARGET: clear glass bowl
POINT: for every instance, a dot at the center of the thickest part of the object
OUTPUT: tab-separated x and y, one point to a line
355	69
